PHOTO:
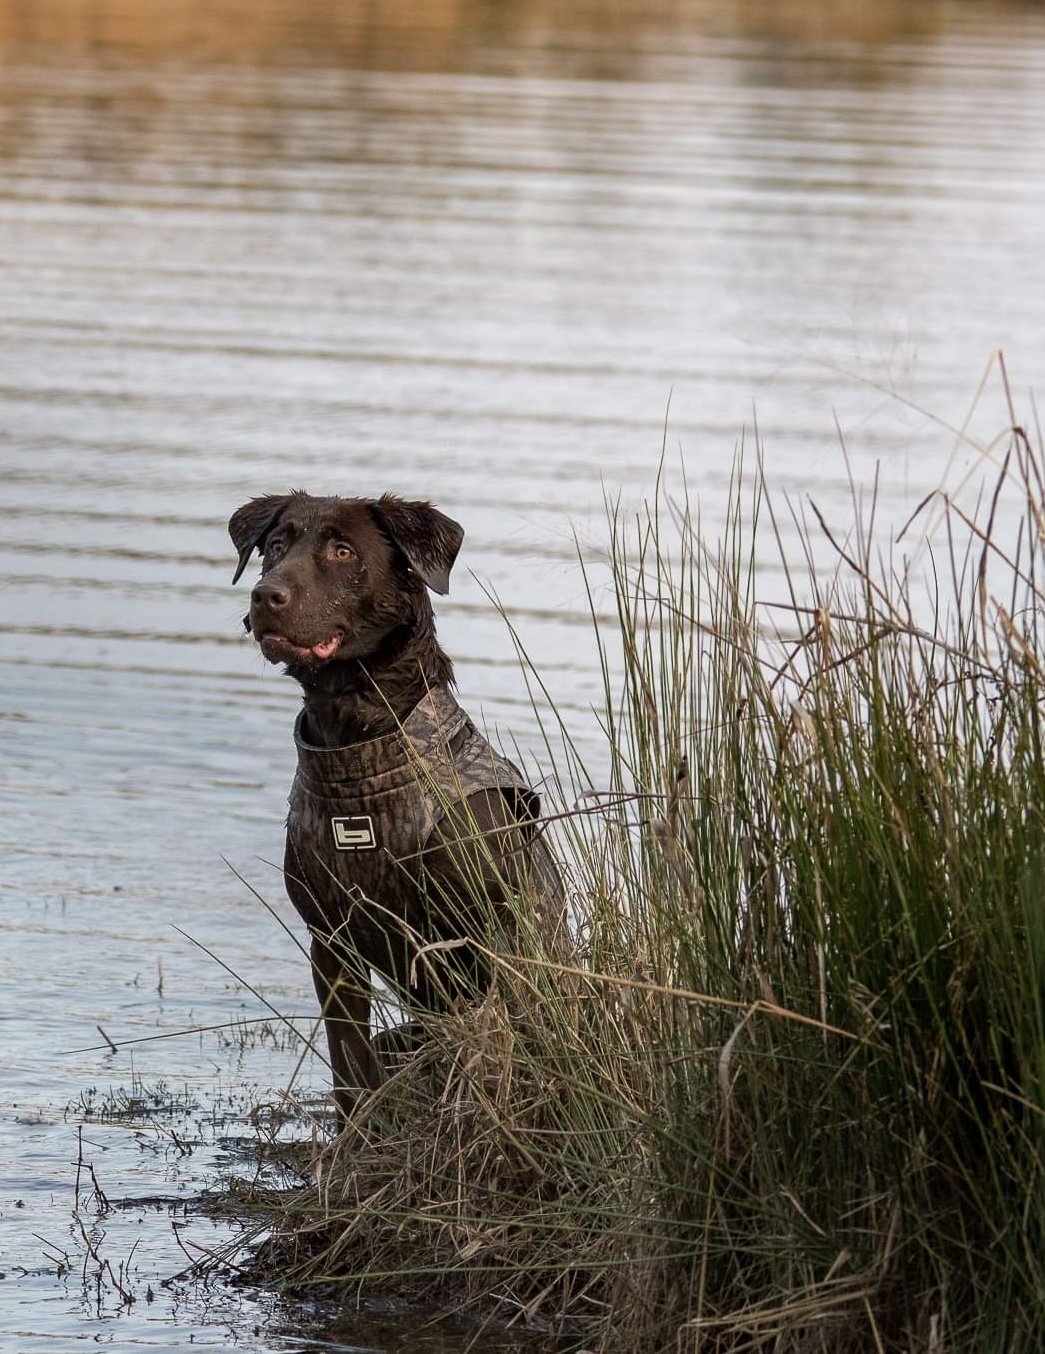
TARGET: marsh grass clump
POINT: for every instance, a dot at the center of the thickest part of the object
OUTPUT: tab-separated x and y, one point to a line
780	1085
142	1101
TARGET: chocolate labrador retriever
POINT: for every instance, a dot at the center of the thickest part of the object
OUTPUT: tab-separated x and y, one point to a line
405	825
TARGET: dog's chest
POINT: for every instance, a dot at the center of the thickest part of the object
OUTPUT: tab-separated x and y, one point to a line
362	817
359	846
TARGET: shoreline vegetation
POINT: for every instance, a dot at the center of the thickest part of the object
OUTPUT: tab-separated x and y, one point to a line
780	1085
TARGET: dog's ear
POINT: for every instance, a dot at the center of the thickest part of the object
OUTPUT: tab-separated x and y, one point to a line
249	525
427	538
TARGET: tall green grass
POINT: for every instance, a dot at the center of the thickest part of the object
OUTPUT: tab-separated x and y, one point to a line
781	1085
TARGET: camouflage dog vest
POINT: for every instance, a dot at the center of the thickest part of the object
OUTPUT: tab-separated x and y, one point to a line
362	816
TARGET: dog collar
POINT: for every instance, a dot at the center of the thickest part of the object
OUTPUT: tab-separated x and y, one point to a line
425	735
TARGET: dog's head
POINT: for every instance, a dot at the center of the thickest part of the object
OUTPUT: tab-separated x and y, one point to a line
338	575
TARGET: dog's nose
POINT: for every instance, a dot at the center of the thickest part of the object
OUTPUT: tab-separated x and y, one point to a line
267	593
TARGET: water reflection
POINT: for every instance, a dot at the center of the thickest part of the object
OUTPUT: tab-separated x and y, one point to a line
385	34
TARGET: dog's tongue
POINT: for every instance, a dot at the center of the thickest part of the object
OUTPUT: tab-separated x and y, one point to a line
325	649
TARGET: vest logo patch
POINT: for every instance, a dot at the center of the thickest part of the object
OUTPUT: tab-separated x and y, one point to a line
354	834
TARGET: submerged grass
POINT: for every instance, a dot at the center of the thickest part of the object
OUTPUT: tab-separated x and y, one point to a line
782	1085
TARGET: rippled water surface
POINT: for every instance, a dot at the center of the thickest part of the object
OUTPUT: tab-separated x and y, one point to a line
465	251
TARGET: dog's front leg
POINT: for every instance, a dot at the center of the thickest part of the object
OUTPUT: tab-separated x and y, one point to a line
345	1003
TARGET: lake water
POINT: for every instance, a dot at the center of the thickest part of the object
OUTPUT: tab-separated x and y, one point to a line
463	251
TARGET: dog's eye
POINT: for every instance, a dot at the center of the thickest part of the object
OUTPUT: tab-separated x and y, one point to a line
343	551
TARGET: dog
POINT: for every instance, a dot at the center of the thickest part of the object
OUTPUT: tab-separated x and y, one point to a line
405	825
